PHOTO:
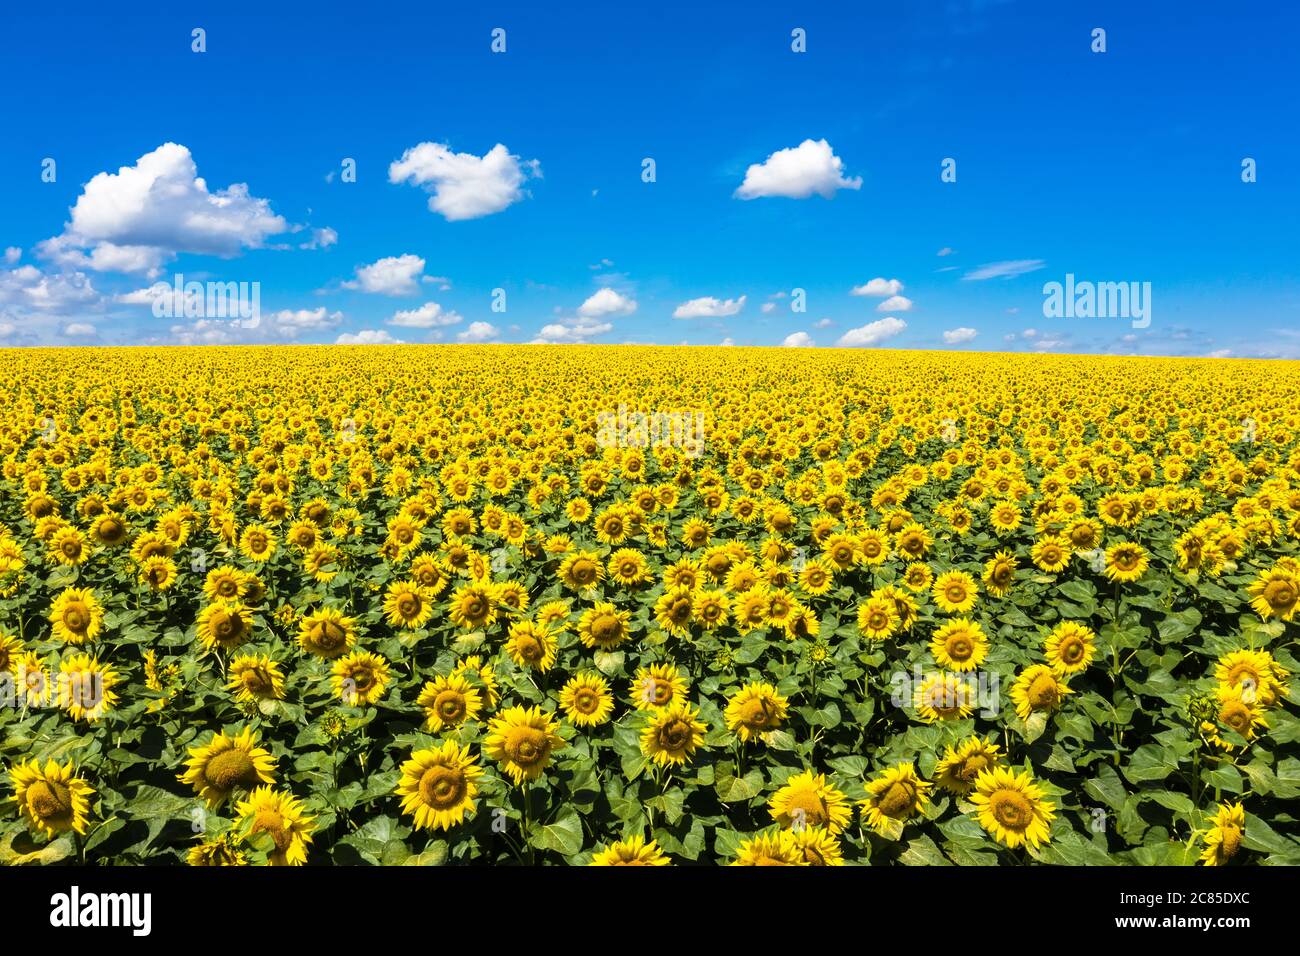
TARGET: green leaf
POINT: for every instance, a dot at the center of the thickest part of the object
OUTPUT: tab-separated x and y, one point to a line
921	851
17	849
563	834
733	789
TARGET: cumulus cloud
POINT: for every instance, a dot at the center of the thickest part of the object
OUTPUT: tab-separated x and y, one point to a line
811	167
728	342
291	322
878	287
895	303
823	324
605	302
367	337
320	239
798	340
12	255
480	332
873	333
576	329
428	316
959	335
27	287
79	330
464	186
1008	269
392	275
143	215
708	307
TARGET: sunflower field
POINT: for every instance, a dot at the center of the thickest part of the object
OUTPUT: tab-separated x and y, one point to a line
424	605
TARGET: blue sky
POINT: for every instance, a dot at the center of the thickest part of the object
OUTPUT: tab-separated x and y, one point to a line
774	171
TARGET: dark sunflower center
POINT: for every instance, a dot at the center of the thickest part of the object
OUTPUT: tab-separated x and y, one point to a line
442	787
1011	809
49	800
230	769
898	799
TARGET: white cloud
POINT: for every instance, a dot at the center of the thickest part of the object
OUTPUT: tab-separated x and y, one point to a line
606	301
1219	353
479	332
320	239
878	287
143	215
367	337
290	322
392	275
27	287
79	330
577	329
823	324
945	251
427	316
769	306
895	303
1004	270
728	342
798	340
12	255
708	307
811	167
1029	333
464	186
959	335
873	333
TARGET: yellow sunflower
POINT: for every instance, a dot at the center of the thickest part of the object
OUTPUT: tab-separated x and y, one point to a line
438	786
807	800
1070	647
636	850
895	796
282	817
360	678
1012	807
755	709
1126	561
586	700
522	741
673	734
1038	689
407	604
604	626
774	848
449	702
327	633
955	592
658	685
77	616
85	687
959	644
532	646
227	763
1223	839
960	766
51	798
254	677
225	625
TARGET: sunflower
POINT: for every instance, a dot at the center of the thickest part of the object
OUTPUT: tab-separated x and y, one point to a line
77	616
223	851
1240	710
1038	689
586	700
257	543
11	649
774	848
1012	807
960	766
1223	839
158	573
873	547
474	605
896	795
1275	593
407	604
280	816
449	701
581	570
944	697
1126	561
757	708
224	584
628	566
816	578
807	800
918	577
360	678
483	674
709	609
636	850
656	686
604	626
819	846
86	687
438	786
877	618
955	592
522	741
1256	672
254	677
327	633
68	547
51	798
225	625
1051	554
1070	647
959	644
227	763
672	734
532	646
674	609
